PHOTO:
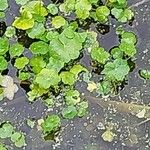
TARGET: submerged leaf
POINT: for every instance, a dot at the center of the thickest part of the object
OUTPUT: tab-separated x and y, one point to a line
145	74
72	97
69	112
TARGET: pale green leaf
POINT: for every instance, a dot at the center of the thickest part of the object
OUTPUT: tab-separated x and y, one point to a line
20	63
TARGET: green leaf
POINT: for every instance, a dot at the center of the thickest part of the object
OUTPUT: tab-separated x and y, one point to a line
39	47
129	37
128	14
72	97
21	142
15	137
49	102
68	77
3	5
145	74
104	87
18	139
36	8
1	93
2	15
93	1
123	15
51	124
52	9
82	109
47	78
82	9
3	63
35	92
82	13
67	48
68	5
100	55
20	63
128	49
102	13
10	32
116	53
69	112
58	22
4	45
118	3
6	130
52	35
16	50
37	30
116	70
37	63
116	12
21	2
76	69
2	147
24	75
30	123
55	63
25	21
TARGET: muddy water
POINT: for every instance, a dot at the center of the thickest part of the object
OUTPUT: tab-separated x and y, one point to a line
85	133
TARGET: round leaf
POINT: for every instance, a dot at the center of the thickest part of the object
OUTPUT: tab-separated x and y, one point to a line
3	63
39	47
16	50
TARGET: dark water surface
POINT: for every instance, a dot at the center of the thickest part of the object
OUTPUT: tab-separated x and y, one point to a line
85	133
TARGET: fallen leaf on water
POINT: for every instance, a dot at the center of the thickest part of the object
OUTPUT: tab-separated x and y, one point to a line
9	88
108	136
91	86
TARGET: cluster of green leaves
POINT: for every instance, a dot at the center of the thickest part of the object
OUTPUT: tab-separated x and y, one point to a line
120	10
14	50
54	65
51	124
8	131
74	105
49	58
84	9
30	12
116	67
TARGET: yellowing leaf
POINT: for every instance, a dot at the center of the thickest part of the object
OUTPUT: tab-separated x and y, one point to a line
108	136
25	21
91	86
